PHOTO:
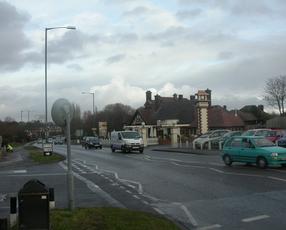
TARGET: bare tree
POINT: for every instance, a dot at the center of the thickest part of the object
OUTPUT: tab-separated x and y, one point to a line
275	93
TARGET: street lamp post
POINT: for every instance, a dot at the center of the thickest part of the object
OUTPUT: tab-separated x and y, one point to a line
46	72
93	107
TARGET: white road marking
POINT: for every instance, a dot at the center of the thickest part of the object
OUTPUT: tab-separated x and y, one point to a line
145	202
128	191
255	218
20	171
189	215
276	178
188	166
96	189
136	197
159	211
210	227
216	170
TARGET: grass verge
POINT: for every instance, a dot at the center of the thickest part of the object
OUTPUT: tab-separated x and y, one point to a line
36	154
108	219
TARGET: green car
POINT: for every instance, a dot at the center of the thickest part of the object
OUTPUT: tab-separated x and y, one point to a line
253	149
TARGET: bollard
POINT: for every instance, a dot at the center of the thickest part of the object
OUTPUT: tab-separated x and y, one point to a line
187	144
220	145
209	145
4	224
194	145
52	198
13	211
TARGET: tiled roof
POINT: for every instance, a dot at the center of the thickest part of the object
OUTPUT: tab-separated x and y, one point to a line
219	117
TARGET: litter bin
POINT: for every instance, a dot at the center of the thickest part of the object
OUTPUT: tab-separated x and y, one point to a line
34	212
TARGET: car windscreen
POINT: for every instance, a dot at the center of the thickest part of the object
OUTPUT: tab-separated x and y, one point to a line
92	139
130	135
261	142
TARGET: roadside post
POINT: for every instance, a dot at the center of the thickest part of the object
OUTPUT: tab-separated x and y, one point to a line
13	211
62	113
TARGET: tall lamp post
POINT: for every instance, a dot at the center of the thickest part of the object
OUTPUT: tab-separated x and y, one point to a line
93	107
46	72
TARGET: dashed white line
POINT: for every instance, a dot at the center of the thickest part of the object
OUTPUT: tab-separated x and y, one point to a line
255	218
128	191
210	227
276	178
20	171
217	170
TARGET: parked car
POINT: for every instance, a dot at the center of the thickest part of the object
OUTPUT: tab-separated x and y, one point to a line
256	132
212	136
228	135
254	150
272	135
92	142
126	141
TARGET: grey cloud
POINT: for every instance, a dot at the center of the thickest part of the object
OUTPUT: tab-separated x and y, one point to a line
188	14
76	67
137	11
13	42
115	58
225	55
66	48
263	8
172	35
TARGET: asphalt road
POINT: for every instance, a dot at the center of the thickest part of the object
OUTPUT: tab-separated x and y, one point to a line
197	191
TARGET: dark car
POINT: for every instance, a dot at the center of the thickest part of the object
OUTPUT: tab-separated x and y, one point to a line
91	142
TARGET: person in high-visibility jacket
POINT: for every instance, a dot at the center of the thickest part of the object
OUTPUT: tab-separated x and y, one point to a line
9	148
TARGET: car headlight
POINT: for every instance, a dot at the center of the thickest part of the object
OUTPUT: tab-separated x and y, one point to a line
274	154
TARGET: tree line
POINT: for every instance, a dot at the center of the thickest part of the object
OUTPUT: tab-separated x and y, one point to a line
116	115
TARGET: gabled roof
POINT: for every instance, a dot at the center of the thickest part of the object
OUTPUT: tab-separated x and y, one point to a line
219	117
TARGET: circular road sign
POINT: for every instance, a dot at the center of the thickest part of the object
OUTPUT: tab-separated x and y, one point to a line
60	109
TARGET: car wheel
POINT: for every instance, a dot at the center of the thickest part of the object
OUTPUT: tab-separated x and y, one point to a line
85	146
100	147
227	160
261	163
112	149
141	150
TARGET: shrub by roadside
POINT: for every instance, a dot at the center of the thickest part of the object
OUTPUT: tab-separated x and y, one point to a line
108	219
36	154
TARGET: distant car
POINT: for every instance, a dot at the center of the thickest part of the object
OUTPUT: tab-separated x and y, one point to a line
59	140
39	141
228	135
212	136
253	149
272	135
92	142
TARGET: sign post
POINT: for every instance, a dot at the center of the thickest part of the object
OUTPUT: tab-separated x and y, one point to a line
62	113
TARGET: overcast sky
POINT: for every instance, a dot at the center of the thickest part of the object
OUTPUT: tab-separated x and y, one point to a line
122	48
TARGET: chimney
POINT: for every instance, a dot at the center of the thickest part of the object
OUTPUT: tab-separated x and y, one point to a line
148	95
224	107
180	96
175	96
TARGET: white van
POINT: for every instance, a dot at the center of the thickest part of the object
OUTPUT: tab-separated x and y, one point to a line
126	141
